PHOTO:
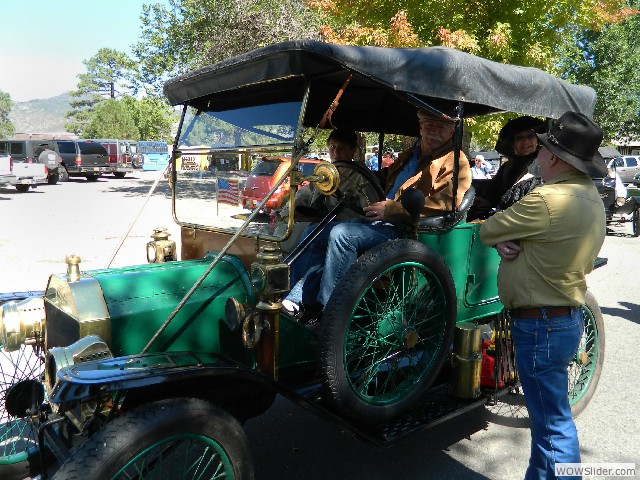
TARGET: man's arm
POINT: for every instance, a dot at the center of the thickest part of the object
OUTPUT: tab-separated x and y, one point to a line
525	219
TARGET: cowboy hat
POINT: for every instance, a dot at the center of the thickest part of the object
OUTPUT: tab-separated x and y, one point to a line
575	139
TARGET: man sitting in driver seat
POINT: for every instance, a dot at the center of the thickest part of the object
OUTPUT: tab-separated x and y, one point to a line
428	166
312	205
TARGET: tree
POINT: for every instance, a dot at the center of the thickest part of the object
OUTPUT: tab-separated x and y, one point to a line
152	116
110	74
520	32
609	61
6	127
111	119
188	34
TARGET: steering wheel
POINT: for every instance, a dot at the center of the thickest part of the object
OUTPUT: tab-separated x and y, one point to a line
359	185
358	188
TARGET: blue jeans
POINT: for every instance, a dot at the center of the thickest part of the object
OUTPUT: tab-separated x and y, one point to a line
324	262
544	347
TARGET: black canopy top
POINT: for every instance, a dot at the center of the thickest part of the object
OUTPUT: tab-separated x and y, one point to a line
379	96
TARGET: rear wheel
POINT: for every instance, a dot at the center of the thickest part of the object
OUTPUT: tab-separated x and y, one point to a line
176	439
586	367
119	174
22	188
92	177
63	174
53	178
386	331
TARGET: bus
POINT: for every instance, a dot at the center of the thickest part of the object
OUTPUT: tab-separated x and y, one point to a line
155	153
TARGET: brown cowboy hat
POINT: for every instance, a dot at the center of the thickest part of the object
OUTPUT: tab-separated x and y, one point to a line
575	139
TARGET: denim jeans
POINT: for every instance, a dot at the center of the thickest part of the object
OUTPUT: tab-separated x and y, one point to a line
332	253
544	347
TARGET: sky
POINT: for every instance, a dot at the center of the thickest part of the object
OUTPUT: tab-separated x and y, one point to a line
44	42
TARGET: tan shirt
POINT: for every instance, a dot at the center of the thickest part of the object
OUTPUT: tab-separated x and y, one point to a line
560	227
434	176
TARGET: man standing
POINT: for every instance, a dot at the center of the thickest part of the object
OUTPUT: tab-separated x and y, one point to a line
548	242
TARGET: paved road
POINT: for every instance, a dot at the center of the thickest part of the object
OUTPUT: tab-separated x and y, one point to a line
41	227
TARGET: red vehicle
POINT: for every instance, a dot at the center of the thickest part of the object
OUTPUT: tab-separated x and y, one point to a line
265	175
120	155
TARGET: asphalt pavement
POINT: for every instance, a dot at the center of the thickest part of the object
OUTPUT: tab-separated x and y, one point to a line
38	229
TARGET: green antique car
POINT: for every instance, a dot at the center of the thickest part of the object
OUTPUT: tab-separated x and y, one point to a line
149	371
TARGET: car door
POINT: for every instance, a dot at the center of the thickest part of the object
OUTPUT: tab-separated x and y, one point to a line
628	169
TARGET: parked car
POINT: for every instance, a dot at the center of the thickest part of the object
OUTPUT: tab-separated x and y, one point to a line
626	166
83	158
35	151
120	155
151	370
265	175
619	208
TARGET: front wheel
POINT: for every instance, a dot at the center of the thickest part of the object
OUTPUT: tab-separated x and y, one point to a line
119	174
21	394
586	367
92	177
22	188
176	439
386	331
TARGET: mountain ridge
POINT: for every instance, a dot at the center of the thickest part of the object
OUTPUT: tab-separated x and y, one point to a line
42	115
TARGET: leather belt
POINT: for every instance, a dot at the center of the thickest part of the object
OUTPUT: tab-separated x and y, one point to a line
538	312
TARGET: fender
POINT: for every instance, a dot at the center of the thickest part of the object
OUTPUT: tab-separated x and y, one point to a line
91	380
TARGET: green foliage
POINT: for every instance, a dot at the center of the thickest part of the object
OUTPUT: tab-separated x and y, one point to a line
188	34
519	32
111	119
152	116
110	74
6	127
609	61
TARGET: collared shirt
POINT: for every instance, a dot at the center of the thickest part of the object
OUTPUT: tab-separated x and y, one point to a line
560	227
408	171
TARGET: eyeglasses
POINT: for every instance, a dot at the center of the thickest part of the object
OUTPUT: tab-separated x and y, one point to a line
524	136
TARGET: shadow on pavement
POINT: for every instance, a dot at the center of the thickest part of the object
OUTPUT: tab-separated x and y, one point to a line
631	311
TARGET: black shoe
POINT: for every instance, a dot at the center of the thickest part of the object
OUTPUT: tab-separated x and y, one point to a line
310	316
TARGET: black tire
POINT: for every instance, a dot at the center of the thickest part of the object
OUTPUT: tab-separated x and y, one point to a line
586	367
161	436
53	178
22	188
119	174
93	177
635	221
63	174
386	331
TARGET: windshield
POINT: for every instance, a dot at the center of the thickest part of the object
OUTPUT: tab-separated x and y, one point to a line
216	153
261	125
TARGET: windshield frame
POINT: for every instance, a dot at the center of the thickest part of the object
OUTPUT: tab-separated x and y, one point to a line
295	149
